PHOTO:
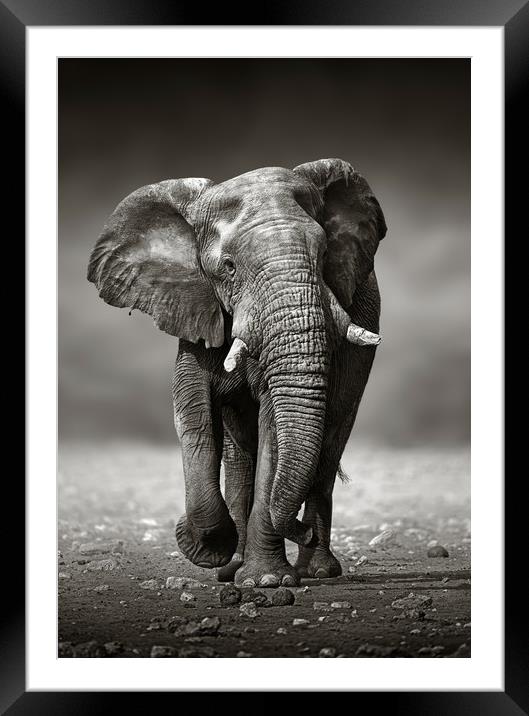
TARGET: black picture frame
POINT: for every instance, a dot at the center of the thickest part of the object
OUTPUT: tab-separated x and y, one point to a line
513	15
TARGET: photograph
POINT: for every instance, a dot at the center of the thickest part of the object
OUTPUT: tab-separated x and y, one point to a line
264	358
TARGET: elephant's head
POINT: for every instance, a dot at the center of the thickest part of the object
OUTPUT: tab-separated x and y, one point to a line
271	258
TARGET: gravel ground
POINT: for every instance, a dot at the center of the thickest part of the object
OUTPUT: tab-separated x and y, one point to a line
125	590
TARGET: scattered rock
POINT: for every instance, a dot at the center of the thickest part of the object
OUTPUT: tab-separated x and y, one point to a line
114	647
412	602
243	655
340	605
354	614
283	597
89	548
248	609
183	583
173	625
89	649
163	652
303	590
149	521
417	615
382	538
438	551
260	599
327	652
209	626
281	630
362	561
64	575
462	652
155	627
300	622
151	584
101	588
187	597
65	650
187	628
230	595
103	565
321	607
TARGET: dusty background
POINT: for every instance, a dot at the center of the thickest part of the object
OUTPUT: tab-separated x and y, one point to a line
405	124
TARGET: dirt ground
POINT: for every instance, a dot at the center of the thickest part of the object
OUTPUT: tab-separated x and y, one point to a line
117	509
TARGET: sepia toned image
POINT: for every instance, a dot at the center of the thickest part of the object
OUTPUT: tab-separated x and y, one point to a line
264	358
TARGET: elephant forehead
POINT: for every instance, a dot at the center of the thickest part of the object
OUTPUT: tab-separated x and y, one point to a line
265	175
247	193
231	215
258	215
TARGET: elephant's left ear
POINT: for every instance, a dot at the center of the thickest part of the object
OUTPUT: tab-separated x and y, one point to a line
353	221
147	258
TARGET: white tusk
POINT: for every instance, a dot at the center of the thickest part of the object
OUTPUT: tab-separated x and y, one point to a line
360	337
237	351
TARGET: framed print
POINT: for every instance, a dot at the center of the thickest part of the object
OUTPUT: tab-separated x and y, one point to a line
235	189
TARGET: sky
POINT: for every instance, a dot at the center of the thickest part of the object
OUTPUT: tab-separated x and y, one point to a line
403	124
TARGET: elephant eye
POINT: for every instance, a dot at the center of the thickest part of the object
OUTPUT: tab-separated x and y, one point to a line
229	266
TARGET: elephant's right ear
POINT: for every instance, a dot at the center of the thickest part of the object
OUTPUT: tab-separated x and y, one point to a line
147	258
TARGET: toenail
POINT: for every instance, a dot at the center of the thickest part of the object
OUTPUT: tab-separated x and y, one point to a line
321	573
288	580
269	580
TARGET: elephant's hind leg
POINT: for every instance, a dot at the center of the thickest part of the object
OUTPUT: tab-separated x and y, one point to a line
347	380
319	561
239	460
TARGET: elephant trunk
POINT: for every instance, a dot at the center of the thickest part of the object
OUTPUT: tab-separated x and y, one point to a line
296	367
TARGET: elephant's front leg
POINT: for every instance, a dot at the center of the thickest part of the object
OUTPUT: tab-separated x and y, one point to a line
206	534
265	563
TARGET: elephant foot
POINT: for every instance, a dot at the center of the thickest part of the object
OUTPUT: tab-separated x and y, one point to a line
227	573
208	548
318	563
266	572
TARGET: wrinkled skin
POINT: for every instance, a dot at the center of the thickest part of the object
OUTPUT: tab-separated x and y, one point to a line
282	260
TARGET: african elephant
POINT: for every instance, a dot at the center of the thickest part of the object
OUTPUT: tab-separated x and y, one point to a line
267	279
